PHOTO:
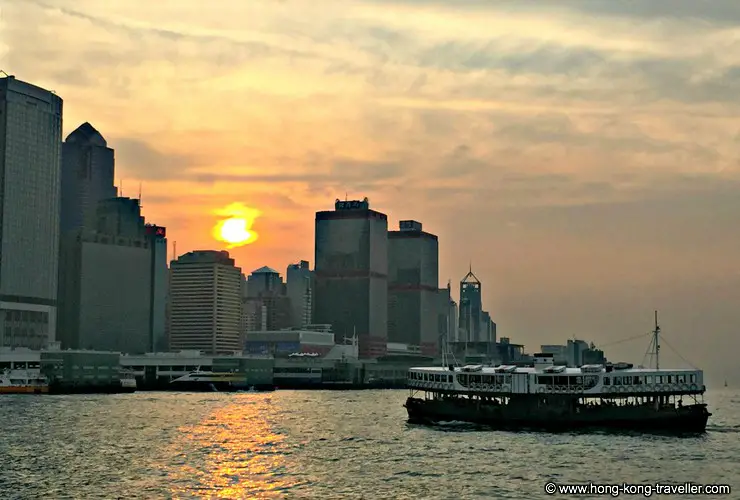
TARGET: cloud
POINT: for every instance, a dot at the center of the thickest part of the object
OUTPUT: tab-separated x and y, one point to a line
142	161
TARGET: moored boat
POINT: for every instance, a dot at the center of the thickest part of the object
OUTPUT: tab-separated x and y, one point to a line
548	397
23	381
128	381
199	381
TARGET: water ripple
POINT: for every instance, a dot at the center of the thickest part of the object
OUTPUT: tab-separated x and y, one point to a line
320	445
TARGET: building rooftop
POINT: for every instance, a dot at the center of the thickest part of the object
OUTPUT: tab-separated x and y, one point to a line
265	270
205	256
88	134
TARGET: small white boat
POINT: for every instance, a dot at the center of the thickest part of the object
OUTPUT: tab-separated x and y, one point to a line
128	381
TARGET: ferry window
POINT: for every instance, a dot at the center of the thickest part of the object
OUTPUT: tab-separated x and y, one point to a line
425	376
449	379
636	380
659	379
692	377
617	380
579	380
682	379
670	379
607	381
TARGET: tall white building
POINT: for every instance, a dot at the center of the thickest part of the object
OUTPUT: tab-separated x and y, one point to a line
205	302
30	166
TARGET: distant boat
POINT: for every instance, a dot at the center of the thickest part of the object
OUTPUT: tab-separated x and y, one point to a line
21	381
725	383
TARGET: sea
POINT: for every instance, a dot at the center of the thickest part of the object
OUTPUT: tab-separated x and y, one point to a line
326	445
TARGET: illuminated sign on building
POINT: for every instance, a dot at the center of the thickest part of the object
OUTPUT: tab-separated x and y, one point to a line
352	204
154	230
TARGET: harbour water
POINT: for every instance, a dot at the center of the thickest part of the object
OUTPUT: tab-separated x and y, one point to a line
292	444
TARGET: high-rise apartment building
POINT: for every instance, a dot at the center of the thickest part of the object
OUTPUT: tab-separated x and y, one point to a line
413	287
351	274
30	165
88	169
299	286
205	302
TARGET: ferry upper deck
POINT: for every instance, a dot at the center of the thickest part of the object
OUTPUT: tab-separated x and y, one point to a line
544	377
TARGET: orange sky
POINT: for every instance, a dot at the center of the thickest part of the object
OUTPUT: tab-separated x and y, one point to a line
584	158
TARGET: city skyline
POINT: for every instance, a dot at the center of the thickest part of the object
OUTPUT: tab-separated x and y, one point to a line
589	179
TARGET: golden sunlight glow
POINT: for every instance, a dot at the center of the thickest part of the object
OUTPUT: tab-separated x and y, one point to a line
237	452
235	227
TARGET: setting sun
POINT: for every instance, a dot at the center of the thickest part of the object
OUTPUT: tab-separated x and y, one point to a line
236	228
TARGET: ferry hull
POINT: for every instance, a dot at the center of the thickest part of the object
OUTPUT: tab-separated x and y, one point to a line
89	389
689	419
218	386
24	390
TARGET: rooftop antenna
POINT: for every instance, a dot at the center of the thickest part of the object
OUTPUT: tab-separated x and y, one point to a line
121	189
345	196
174	250
140	193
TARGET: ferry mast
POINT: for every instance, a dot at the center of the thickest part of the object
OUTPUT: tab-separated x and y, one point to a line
656	338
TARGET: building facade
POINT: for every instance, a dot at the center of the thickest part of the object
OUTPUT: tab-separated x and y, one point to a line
447	316
30	166
88	169
471	308
413	288
112	282
205	302
265	281
299	287
351	274
157	239
268	312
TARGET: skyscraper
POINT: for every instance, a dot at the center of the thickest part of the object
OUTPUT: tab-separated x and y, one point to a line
299	285
471	308
265	280
413	287
351	274
88	169
205	302
266	307
157	239
30	164
113	282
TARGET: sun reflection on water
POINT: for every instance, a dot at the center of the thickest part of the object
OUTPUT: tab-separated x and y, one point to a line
234	452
